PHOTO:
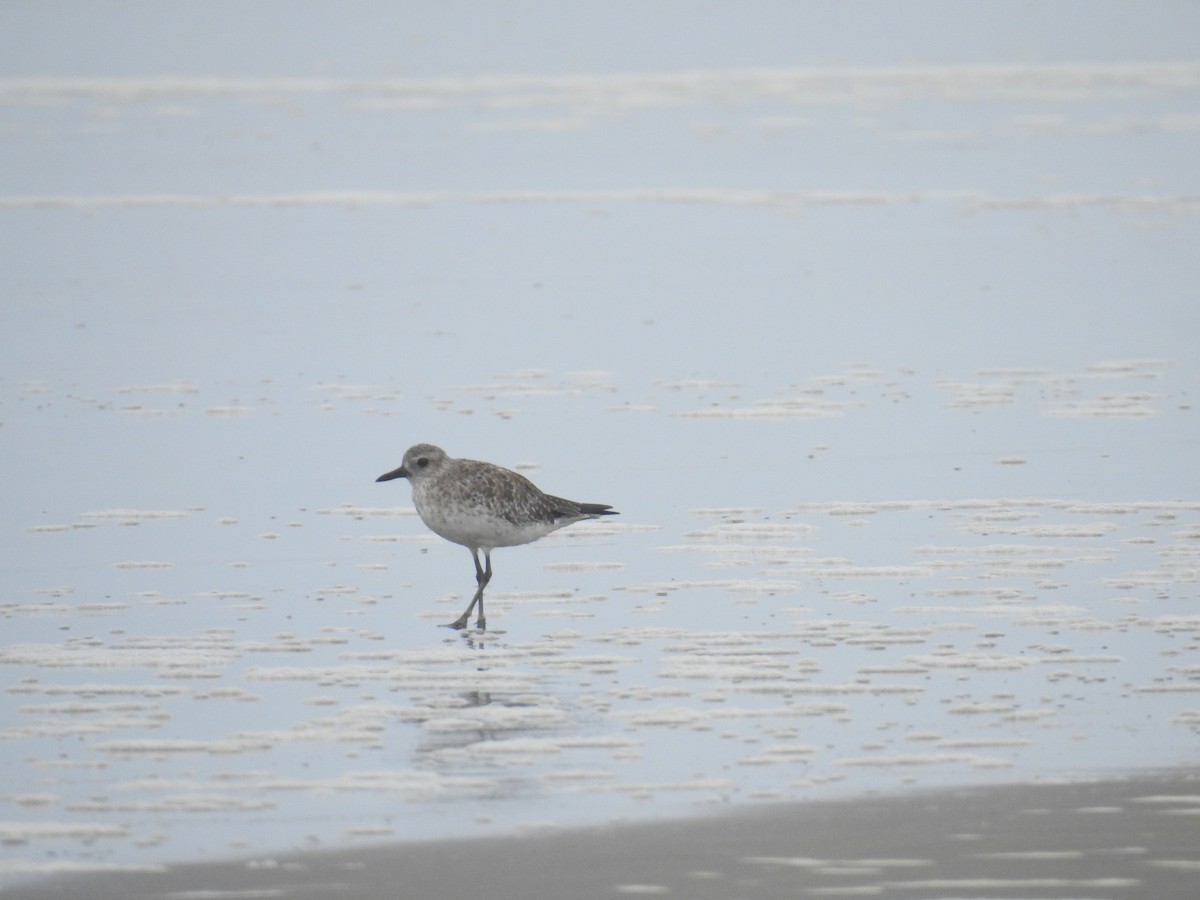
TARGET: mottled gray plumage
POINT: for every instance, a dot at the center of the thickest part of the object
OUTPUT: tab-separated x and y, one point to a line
482	507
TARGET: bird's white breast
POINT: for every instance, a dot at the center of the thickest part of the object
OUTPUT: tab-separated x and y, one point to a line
470	525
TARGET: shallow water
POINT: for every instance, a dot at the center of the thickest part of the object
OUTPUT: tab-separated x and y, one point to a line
889	369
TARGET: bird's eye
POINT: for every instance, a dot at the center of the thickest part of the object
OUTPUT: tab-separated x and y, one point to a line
422	462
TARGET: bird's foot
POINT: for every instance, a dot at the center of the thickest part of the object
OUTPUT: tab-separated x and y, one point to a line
459	623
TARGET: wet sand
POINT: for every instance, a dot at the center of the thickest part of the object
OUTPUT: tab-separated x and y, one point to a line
1120	838
882	340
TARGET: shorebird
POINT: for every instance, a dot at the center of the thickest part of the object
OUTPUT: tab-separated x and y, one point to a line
482	507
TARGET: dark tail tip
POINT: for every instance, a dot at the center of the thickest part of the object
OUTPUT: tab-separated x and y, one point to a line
597	509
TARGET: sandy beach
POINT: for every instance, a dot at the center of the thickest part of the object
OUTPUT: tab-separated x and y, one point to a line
876	322
1134	837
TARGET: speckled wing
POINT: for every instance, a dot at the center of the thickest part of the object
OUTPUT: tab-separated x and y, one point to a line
502	494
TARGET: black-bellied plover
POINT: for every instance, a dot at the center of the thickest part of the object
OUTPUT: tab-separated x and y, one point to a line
482	507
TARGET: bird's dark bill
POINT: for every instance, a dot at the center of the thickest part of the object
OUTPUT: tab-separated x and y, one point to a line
395	473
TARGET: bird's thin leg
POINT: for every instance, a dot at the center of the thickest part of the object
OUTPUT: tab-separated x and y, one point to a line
486	575
481	579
